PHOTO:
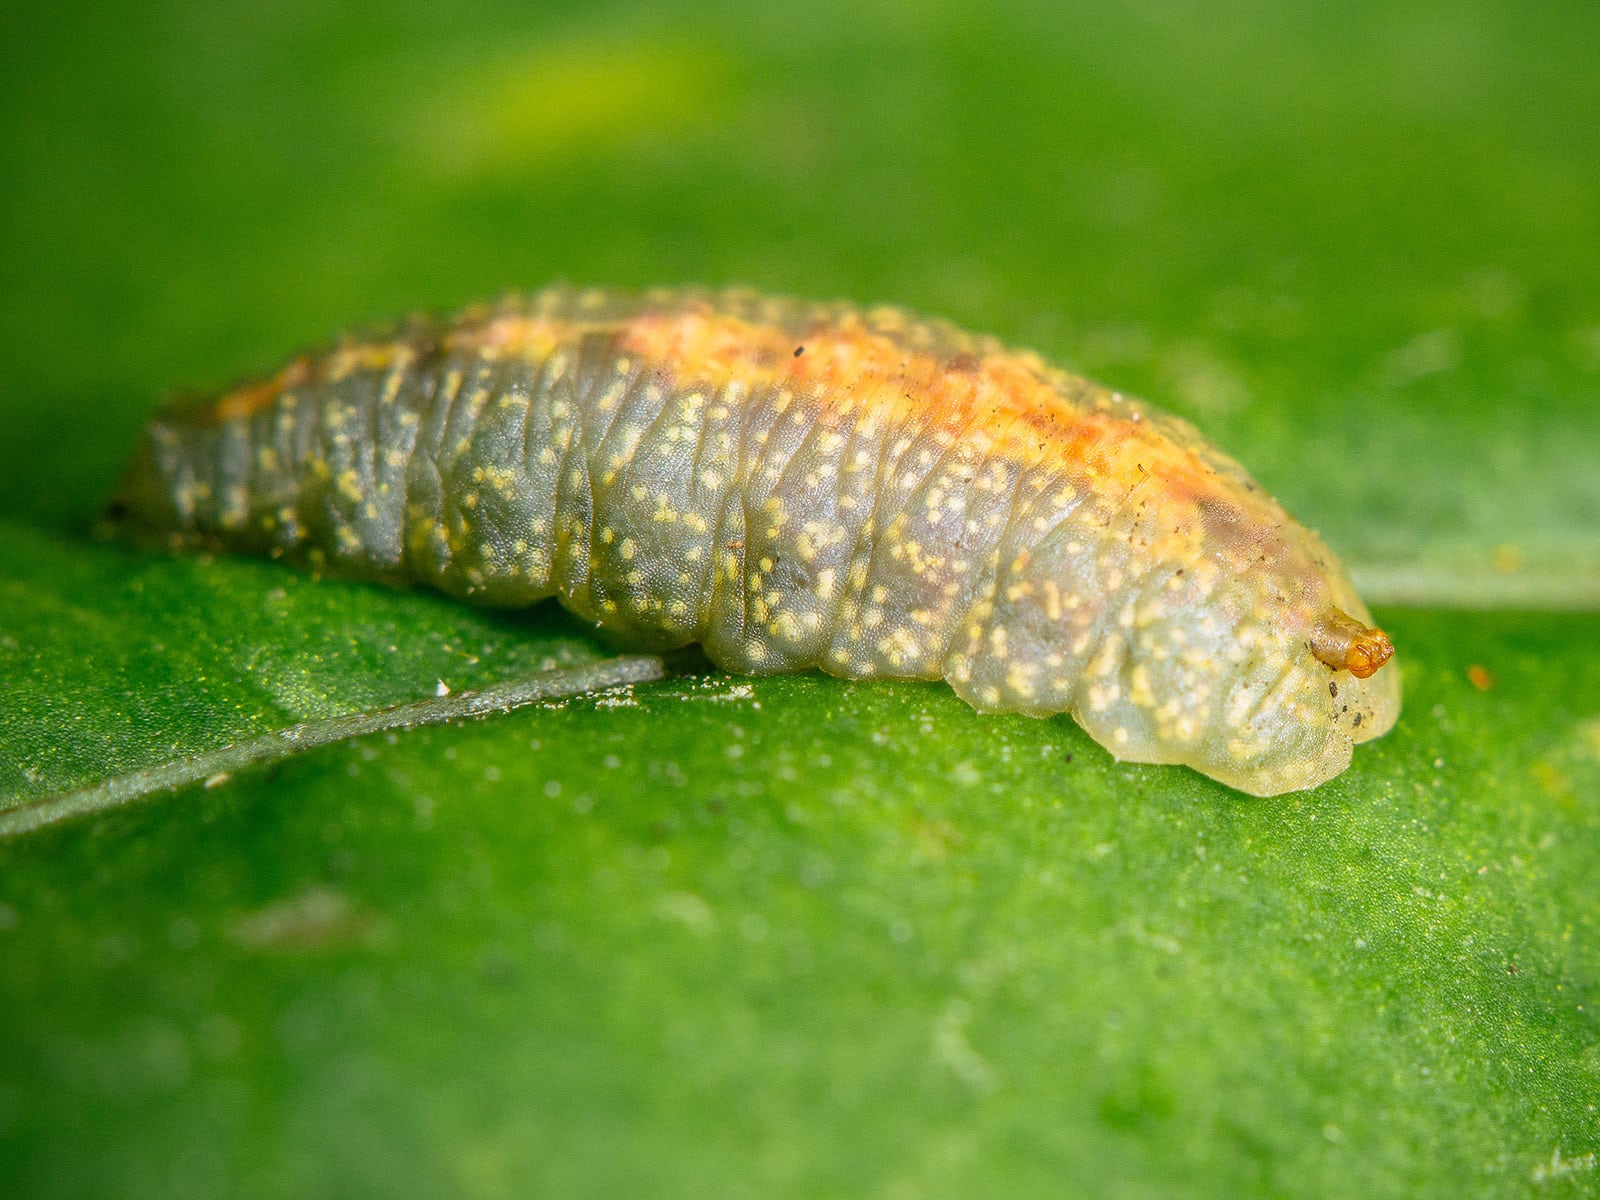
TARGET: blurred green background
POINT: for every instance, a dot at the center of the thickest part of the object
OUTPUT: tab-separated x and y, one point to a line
796	937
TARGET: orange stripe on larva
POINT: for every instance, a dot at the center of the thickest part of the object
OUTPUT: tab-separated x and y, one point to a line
251	398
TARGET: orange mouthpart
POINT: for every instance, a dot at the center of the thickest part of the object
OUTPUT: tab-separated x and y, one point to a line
1345	644
1368	652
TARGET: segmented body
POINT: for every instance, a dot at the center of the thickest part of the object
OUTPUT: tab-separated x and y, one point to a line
798	485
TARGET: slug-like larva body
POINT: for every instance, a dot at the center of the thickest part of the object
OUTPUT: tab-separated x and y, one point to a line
798	485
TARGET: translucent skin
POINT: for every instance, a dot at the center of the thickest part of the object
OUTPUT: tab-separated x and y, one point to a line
799	485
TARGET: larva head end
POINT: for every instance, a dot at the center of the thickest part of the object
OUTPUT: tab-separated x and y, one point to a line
1367	652
1345	644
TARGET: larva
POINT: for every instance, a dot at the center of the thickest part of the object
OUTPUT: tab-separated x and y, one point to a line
796	486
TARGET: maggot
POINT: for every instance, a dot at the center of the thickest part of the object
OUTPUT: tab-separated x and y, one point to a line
797	485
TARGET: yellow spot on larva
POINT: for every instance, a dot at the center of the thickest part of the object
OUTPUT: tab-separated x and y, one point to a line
998	642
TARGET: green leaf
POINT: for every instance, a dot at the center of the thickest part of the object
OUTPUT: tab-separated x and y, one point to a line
793	936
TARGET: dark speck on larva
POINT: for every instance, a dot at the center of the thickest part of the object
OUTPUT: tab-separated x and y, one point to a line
799	486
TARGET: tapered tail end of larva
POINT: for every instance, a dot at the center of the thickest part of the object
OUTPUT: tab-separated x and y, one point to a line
1345	644
113	515
117	513
141	509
